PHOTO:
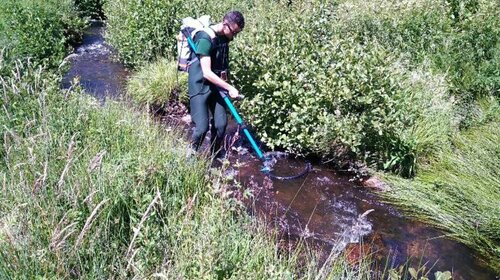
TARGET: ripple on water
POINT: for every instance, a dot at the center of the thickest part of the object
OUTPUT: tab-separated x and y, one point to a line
94	68
333	213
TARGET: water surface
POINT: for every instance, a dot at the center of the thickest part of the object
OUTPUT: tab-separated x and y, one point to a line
94	66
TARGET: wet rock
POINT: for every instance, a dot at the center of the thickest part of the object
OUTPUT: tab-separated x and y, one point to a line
376	183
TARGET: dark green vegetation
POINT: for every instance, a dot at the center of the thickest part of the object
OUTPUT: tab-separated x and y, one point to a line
40	31
90	8
378	81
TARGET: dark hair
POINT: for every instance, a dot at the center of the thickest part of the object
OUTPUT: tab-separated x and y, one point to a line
235	17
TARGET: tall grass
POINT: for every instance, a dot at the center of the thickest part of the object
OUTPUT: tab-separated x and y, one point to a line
155	83
460	191
79	178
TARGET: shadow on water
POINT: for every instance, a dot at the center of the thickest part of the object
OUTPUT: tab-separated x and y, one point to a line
93	66
326	209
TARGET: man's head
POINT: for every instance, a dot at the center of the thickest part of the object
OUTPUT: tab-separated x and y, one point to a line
233	23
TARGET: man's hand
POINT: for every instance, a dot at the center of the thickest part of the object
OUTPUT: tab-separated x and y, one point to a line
233	93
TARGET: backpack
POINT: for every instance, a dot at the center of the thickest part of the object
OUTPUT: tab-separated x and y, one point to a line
185	44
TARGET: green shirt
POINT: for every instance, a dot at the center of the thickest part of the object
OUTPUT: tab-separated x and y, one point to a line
218	50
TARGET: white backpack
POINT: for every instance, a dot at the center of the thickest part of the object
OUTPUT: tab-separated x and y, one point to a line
185	44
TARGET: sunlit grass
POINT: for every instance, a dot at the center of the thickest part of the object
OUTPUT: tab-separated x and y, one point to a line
154	83
460	192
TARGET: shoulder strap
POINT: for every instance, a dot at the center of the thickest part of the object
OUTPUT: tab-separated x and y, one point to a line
207	30
210	32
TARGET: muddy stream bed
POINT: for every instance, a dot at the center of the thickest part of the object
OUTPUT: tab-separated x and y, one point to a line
326	208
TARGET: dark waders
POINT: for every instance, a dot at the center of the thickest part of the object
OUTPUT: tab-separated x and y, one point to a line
202	106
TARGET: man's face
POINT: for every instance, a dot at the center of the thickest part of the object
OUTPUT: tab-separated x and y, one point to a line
231	30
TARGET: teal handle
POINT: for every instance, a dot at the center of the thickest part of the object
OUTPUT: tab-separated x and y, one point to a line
245	130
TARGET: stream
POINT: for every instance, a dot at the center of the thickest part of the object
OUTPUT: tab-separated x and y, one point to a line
326	208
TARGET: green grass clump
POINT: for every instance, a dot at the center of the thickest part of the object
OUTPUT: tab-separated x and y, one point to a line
459	193
155	83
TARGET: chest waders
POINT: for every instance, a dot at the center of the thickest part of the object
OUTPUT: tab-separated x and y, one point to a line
265	159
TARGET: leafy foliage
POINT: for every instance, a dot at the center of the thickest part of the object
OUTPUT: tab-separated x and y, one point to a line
338	92
387	83
91	8
37	30
142	31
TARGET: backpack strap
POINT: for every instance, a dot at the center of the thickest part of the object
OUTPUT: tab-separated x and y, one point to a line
210	31
192	44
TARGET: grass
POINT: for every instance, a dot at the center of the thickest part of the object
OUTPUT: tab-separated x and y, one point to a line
460	192
154	83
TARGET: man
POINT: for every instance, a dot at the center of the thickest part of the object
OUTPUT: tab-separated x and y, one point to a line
208	79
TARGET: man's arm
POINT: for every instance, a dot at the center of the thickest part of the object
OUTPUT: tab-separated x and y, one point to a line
205	62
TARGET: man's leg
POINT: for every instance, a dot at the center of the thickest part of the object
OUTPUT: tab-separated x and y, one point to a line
199	115
219	121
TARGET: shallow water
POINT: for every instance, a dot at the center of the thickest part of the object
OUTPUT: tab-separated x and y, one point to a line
332	212
326	208
93	65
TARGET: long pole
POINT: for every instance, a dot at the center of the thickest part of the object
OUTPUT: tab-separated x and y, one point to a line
243	125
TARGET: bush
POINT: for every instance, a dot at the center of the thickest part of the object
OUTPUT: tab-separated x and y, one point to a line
458	38
472	60
91	8
142	30
154	84
38	30
337	92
